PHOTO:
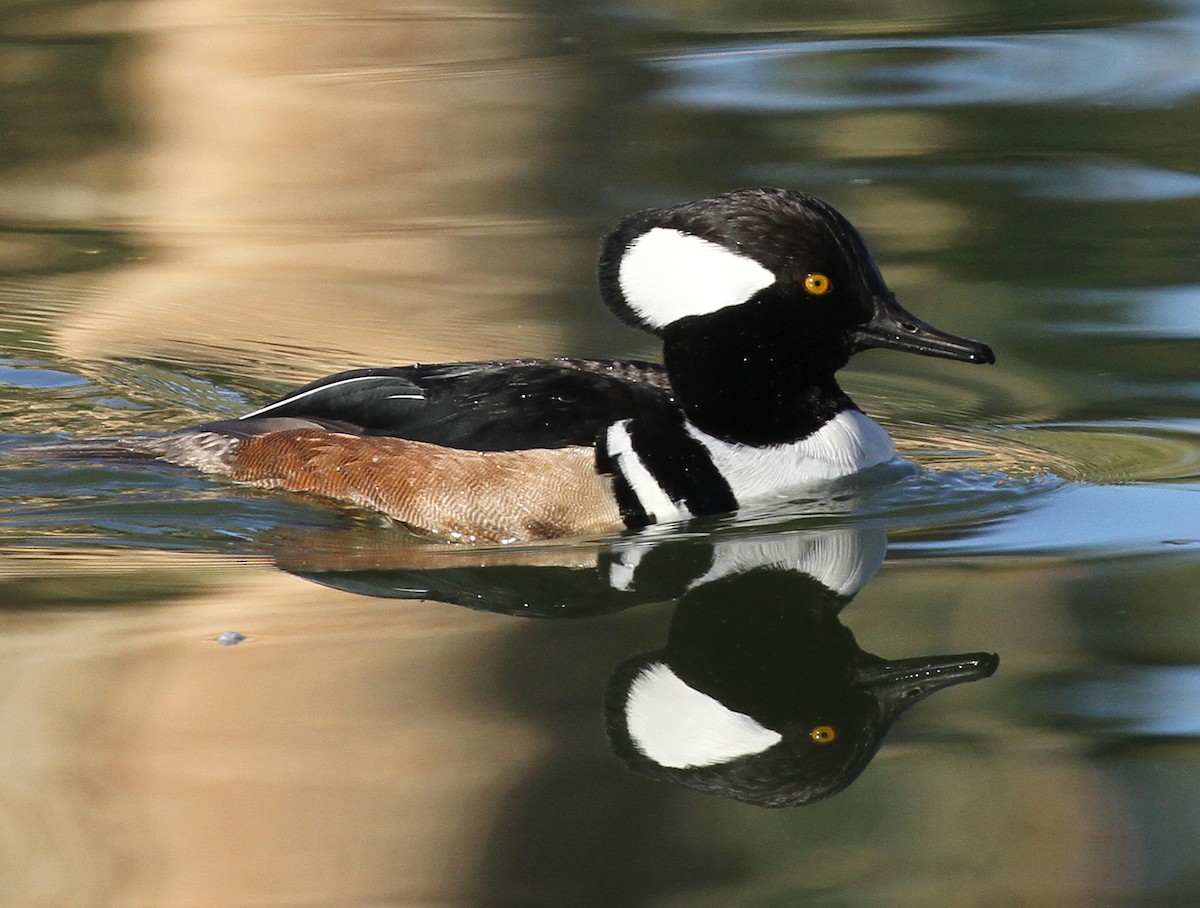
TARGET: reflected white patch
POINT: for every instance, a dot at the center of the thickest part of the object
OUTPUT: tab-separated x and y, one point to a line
677	726
843	559
624	565
667	275
654	501
848	443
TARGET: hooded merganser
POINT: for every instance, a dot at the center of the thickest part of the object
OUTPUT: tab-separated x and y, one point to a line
759	297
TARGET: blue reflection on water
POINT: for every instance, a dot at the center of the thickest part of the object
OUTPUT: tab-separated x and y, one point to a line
34	377
1166	312
1144	700
1086	521
1147	64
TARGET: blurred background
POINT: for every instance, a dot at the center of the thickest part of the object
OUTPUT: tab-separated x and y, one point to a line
203	203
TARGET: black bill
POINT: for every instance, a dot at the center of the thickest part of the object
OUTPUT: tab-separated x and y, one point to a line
894	327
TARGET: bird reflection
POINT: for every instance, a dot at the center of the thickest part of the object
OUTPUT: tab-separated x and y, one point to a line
760	694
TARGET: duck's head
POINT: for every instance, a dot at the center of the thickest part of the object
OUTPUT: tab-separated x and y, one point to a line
770	263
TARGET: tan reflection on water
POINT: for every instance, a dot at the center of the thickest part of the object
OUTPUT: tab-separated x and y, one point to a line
317	186
334	757
355	751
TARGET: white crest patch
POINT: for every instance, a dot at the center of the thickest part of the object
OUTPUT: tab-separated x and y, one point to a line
667	275
678	726
849	442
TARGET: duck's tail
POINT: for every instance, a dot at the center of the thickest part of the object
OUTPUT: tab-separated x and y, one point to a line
209	448
208	451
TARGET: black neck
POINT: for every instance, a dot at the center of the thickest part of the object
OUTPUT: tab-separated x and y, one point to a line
752	383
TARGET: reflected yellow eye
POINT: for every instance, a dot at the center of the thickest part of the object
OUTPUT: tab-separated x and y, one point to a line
817	284
823	734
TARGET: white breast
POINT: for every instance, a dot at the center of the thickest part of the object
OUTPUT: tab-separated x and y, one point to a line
849	442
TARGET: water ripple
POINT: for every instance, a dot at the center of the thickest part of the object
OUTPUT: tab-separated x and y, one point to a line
1145	64
1116	451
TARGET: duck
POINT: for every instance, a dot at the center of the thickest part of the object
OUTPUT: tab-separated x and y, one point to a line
758	297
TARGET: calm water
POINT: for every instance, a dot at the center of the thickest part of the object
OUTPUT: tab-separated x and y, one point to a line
203	203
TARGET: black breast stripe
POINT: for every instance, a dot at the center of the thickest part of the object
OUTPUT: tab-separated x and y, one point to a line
681	464
678	463
628	503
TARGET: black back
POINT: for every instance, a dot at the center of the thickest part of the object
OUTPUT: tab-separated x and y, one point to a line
505	405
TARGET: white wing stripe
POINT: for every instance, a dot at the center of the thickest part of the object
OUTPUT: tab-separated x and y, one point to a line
291	398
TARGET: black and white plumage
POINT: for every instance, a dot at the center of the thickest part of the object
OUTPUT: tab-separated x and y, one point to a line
759	296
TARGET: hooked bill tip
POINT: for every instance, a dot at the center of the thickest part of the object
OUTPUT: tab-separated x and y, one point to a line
983	356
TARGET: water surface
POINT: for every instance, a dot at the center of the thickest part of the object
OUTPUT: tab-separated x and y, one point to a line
203	204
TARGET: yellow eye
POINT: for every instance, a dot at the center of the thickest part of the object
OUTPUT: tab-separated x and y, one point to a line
823	734
817	284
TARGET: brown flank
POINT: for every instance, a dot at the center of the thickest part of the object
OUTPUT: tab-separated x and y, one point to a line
472	496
